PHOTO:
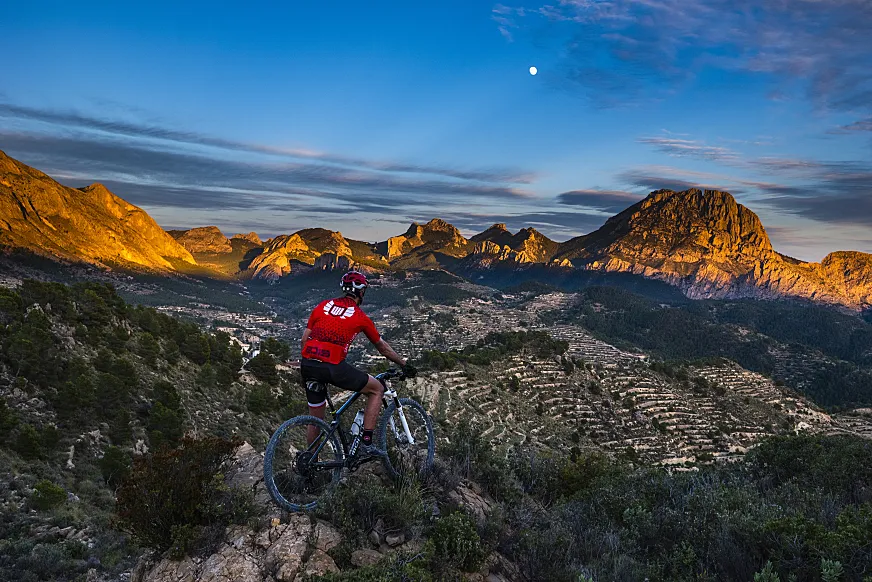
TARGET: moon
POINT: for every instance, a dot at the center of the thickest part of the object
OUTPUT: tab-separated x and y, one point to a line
533	70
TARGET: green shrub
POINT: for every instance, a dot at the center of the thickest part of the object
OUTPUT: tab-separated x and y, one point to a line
171	497
356	509
28	443
456	543
263	366
397	568
114	466
47	495
260	399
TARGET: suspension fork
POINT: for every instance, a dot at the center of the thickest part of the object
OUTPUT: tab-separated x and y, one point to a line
391	393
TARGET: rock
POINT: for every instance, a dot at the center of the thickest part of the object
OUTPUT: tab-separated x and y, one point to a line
229	564
326	536
394	540
365	557
475	502
374	538
285	554
320	564
173	571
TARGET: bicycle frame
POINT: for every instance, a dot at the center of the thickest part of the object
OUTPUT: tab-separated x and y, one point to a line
323	437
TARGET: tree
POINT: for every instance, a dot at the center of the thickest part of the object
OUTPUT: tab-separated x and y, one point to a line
263	366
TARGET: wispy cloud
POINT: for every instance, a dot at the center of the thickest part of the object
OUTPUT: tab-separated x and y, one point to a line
176	174
121	128
622	50
690	148
602	200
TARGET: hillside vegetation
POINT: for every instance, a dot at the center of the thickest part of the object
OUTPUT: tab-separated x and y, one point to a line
820	352
119	424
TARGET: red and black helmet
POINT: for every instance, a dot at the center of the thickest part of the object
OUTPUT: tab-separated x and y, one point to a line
354	283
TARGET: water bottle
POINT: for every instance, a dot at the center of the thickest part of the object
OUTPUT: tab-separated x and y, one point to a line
357	424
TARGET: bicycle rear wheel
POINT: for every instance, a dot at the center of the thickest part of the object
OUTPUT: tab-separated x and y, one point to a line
294	470
404	457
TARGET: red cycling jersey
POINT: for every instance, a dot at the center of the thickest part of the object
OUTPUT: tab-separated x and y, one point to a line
334	323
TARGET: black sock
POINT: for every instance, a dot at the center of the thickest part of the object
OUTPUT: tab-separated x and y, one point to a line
367	436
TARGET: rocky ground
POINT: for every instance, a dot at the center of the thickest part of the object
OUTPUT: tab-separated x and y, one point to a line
289	547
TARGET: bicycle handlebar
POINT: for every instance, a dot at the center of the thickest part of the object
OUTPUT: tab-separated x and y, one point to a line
391	374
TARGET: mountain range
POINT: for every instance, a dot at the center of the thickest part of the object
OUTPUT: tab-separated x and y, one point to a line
700	241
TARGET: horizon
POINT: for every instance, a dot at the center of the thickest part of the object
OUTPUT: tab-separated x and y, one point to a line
363	119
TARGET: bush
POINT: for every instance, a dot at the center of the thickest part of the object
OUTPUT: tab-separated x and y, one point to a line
114	466
263	366
356	510
47	495
397	568
171	497
456	543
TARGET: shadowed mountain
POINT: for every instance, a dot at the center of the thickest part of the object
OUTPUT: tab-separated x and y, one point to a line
89	224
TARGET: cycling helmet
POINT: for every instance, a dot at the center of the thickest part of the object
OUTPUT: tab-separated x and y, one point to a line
354	283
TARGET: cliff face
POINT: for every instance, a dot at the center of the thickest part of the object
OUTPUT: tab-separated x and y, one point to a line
311	247
90	224
435	236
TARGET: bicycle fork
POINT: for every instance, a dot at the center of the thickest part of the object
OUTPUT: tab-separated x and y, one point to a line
402	415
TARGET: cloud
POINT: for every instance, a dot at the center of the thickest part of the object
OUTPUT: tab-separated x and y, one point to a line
119	128
150	174
656	178
857	126
649	48
690	148
603	200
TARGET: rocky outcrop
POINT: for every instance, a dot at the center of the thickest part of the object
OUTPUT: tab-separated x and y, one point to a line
284	552
90	224
332	262
435	236
250	237
205	239
305	248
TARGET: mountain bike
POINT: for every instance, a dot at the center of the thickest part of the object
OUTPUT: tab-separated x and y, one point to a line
298	469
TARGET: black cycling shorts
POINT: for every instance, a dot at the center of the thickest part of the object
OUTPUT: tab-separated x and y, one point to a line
342	375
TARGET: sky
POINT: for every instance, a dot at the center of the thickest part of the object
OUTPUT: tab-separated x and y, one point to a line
362	117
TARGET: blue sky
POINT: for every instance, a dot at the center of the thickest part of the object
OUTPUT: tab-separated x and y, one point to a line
362	117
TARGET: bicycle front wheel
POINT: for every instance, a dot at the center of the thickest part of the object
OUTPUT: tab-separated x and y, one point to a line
303	461
407	456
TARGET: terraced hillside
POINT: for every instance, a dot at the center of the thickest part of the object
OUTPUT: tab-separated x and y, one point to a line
595	395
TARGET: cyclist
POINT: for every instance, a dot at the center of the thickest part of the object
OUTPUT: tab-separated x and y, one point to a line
332	327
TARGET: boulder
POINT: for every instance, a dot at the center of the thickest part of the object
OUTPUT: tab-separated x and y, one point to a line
365	557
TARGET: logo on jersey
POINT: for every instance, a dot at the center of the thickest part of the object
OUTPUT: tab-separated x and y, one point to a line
330	308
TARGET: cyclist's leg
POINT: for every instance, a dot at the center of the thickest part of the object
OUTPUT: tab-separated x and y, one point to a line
314	380
348	377
374	391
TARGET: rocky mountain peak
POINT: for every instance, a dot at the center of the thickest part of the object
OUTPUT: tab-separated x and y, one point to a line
702	221
91	224
497	233
204	239
250	237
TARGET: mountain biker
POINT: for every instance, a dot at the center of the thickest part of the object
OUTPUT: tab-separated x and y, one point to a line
332	326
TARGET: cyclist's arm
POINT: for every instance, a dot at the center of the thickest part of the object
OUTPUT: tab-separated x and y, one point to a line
387	351
306	335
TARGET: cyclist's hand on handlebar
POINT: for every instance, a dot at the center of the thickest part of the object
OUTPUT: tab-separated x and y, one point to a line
410	371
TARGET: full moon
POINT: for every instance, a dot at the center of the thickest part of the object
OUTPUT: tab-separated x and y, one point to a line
533	70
